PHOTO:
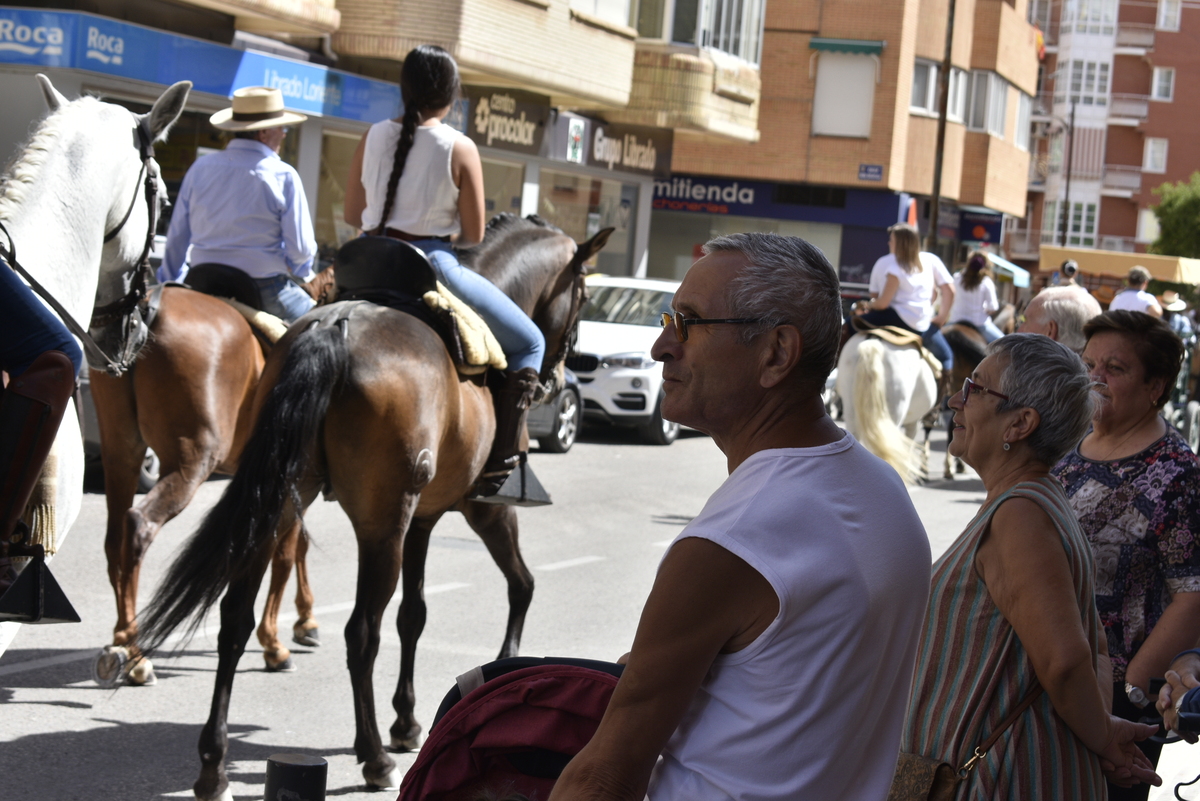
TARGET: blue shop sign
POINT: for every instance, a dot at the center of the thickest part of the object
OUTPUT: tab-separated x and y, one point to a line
703	194
975	226
74	40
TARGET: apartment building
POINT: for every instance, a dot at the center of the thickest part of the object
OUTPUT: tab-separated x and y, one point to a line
848	123
1114	119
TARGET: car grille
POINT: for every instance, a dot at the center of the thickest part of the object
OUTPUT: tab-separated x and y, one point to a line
583	362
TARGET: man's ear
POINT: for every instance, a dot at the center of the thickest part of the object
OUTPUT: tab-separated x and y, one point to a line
782	348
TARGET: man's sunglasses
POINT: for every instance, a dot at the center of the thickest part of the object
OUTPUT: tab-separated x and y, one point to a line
682	323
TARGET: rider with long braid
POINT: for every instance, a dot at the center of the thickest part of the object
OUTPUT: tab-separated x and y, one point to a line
433	195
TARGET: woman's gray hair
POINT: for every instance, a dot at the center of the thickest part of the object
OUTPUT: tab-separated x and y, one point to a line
1050	378
788	281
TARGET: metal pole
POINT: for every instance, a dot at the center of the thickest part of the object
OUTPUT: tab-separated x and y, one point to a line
943	103
1067	165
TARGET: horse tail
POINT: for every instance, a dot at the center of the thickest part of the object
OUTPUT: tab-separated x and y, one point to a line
876	430
238	534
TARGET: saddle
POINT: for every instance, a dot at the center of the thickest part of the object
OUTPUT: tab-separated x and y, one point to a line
901	338
223	281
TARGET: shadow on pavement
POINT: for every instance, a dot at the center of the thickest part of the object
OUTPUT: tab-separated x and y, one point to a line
957	485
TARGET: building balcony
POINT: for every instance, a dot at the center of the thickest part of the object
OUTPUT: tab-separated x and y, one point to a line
1122	244
1039	171
1005	43
1125	109
1121	180
994	174
1043	107
1022	243
303	17
693	89
1134	38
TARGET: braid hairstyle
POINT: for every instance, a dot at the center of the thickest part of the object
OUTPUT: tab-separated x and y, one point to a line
428	82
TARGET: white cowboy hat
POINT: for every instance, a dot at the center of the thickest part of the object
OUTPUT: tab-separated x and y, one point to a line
254	109
1172	302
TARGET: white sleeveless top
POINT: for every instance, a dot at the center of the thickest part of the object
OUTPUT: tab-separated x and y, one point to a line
813	708
426	199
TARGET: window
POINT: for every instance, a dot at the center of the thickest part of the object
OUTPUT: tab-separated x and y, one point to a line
925	91
1147	225
988	106
1155	158
1024	108
731	26
1168	14
614	11
1088	83
1163	85
1081	231
1050	222
1039	14
845	95
1098	17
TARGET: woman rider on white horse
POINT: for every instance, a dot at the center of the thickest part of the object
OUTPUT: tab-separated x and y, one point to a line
417	179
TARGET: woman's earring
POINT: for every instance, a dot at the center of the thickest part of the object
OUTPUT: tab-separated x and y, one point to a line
1007	446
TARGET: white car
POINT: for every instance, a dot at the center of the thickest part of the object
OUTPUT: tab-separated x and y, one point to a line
619	381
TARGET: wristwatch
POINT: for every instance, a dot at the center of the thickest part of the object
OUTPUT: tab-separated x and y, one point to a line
1136	696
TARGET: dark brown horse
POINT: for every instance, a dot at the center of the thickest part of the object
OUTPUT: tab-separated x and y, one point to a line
364	402
189	397
968	346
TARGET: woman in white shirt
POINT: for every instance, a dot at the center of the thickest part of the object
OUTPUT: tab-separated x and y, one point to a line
912	277
975	297
419	180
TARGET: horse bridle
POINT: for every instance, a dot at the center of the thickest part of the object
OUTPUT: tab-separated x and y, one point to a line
128	303
571	337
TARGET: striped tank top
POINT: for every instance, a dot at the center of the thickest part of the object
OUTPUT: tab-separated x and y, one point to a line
972	671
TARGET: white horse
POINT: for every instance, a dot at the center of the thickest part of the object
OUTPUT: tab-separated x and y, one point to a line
78	180
886	390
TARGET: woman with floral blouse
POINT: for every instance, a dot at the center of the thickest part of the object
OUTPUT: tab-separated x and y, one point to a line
1135	487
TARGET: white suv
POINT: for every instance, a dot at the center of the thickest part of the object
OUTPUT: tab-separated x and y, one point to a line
619	381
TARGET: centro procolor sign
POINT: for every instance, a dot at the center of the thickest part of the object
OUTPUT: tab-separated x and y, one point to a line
507	119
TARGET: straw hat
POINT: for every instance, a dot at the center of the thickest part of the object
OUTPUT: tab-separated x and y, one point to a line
1171	301
1104	294
255	108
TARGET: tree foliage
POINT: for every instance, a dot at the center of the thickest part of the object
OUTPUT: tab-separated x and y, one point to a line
1178	215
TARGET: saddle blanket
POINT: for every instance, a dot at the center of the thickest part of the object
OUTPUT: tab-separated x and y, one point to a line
479	346
903	339
268	324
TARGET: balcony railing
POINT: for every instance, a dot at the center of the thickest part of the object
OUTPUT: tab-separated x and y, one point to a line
1123	244
1122	177
1043	105
1132	107
1039	169
1022	243
1135	34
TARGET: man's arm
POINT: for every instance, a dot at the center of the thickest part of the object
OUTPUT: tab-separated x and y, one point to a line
705	601
299	241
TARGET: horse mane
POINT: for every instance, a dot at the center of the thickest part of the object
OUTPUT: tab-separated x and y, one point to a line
21	174
496	235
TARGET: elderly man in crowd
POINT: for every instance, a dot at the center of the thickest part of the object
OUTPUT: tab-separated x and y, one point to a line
1060	313
1135	296
774	656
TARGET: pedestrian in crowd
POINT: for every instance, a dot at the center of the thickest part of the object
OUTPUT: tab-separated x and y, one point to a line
1134	485
975	296
792	584
912	278
1134	296
1067	273
419	180
1060	312
1011	614
245	207
1175	315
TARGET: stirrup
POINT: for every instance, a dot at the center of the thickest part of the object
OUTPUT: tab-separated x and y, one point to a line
519	488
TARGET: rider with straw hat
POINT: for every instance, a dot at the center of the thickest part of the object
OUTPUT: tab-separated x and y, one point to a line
245	207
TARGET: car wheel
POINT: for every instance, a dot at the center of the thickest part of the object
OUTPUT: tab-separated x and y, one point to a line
568	414
659	431
148	476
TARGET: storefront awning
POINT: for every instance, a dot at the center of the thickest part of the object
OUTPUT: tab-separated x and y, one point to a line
866	47
1174	269
1020	276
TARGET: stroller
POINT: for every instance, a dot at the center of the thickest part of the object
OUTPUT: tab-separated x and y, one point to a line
510	726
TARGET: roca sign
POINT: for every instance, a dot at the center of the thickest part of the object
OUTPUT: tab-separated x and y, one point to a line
30	40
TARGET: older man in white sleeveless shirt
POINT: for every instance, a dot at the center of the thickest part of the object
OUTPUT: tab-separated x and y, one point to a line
774	657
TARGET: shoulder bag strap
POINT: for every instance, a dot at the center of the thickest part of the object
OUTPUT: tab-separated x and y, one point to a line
982	749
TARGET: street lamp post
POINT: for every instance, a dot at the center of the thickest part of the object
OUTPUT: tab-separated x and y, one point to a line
1067	163
935	199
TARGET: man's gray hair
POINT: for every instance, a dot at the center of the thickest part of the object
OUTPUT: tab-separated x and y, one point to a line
786	280
1071	307
1050	378
1138	275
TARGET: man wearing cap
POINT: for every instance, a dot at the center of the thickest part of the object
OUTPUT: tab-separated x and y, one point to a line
245	207
1135	297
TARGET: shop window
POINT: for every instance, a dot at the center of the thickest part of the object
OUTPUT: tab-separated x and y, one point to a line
1163	85
988	104
1168	14
1098	17
582	205
330	226
845	95
808	195
1024	108
731	26
1155	157
503	183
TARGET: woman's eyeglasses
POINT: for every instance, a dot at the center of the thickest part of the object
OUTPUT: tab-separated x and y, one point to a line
970	387
682	323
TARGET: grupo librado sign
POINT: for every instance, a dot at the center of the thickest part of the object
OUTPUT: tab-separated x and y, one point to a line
68	39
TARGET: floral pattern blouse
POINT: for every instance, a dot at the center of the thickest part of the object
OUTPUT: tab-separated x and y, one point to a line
1142	516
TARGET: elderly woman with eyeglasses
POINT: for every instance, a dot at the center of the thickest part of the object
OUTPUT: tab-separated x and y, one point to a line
1011	616
1134	485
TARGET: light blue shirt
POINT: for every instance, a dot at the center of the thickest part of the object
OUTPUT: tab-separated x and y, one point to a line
244	207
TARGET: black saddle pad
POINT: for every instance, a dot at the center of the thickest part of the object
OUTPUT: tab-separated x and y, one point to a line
224	281
380	264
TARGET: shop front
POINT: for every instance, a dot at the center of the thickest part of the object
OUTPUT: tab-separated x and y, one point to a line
87	54
848	225
578	173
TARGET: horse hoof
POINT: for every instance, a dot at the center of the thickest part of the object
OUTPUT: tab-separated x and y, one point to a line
224	795
385	778
286	666
311	637
404	744
142	674
109	668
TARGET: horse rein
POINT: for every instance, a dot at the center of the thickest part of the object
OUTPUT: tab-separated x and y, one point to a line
571	334
137	293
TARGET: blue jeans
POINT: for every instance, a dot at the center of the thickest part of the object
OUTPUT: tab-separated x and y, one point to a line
28	329
282	298
990	332
931	337
522	341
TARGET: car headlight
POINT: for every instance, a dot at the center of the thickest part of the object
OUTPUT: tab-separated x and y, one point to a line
637	361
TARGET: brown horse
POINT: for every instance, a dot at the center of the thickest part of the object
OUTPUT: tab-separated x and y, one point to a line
189	397
969	348
364	402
